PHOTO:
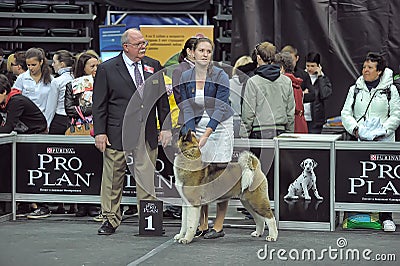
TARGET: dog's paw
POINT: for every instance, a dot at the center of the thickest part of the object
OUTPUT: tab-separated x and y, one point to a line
270	239
255	234
320	198
177	237
307	198
184	241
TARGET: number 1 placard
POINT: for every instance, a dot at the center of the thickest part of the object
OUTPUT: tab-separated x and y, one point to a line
151	218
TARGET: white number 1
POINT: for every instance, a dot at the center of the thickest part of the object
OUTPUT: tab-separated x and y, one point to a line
149	223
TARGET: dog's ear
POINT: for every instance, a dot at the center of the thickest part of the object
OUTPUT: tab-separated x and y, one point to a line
314	163
188	136
302	164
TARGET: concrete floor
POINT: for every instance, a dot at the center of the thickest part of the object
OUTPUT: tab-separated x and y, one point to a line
68	240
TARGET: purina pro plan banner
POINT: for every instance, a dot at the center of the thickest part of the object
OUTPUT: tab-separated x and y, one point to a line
75	169
49	168
367	176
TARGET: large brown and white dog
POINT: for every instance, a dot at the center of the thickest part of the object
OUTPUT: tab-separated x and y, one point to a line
199	183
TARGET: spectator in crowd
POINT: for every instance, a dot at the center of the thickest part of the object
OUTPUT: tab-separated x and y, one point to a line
306	85
268	101
55	109
3	63
36	82
10	63
206	110
18	65
236	85
186	62
285	60
23	116
117	81
245	72
77	100
371	111
314	112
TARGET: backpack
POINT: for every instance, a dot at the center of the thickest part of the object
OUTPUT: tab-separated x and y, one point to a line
384	91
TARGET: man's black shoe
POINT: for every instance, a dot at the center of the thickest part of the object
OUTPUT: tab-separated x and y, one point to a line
132	210
106	229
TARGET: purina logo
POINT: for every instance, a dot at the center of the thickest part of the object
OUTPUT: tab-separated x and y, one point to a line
384	157
59	150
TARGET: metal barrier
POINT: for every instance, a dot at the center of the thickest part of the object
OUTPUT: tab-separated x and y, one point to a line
7	171
351	176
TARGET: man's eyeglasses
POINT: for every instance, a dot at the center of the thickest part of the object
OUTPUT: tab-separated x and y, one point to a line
137	45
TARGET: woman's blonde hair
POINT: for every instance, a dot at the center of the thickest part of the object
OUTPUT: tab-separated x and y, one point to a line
241	61
10	60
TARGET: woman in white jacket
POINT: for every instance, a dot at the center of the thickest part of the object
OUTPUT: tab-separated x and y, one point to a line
372	109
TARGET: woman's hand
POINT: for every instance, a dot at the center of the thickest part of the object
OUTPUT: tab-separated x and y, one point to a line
203	139
319	70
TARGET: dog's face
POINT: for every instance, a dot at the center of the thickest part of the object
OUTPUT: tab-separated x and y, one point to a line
188	142
308	164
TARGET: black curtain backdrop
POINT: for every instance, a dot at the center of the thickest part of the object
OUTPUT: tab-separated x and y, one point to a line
342	31
158	5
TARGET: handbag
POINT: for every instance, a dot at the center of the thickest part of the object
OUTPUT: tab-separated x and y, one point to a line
84	128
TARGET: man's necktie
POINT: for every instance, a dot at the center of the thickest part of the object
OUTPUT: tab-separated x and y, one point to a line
138	79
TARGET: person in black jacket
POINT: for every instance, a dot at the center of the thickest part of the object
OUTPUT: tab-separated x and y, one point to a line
22	115
127	78
314	112
85	65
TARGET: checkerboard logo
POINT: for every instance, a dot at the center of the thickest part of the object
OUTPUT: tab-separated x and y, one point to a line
372	157
49	150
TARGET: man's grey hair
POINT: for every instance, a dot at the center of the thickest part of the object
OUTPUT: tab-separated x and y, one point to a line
124	36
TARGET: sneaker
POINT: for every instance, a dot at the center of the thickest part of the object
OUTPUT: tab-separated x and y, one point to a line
41	212
98	218
389	226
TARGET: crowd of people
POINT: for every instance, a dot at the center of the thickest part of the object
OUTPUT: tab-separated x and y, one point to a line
267	91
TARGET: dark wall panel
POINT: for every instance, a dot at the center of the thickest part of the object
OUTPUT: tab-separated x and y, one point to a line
342	31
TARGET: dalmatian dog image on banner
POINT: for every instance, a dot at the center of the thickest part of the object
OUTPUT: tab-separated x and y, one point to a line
304	190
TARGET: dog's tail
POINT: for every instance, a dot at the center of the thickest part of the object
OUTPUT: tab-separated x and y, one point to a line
249	164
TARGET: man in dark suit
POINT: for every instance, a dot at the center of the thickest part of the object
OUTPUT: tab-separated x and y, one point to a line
128	90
